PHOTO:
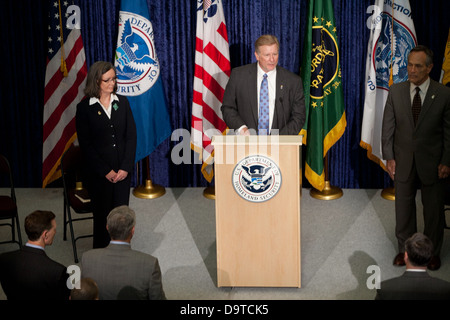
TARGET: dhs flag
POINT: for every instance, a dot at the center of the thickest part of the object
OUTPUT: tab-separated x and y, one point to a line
391	39
138	77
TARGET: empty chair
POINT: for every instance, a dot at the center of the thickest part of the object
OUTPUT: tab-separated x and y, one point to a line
76	196
8	204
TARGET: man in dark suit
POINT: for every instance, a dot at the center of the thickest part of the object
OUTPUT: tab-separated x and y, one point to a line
28	273
415	283
119	271
241	100
416	145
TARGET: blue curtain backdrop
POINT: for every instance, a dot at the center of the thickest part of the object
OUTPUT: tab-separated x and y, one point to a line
23	37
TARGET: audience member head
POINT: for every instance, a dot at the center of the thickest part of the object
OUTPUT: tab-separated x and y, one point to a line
419	250
40	227
120	223
88	290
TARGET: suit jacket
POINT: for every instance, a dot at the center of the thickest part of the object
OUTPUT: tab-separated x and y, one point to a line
414	286
29	274
428	143
119	270
240	100
107	144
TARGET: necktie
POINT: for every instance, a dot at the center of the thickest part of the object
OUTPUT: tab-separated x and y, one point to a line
263	120
416	105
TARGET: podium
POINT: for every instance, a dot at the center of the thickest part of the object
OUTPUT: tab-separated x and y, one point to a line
258	191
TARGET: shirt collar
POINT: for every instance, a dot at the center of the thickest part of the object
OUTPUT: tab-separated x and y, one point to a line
261	71
120	242
94	100
416	270
34	246
423	87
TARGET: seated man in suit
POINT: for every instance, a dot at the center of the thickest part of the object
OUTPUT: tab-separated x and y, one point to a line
28	273
415	283
117	269
262	97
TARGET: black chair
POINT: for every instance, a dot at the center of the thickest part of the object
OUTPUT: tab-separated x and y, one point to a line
76	196
8	204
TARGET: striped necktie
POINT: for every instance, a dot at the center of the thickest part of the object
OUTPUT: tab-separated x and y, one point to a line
263	120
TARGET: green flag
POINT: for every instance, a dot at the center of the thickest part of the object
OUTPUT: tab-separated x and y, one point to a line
324	99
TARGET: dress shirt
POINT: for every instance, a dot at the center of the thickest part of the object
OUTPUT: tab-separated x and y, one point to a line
423	90
94	100
272	79
34	246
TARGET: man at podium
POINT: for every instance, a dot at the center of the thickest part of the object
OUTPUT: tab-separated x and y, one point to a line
262	97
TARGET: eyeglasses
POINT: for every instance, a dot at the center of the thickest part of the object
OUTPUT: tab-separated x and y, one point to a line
110	80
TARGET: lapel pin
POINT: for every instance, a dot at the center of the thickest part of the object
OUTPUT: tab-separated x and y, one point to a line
99	113
432	97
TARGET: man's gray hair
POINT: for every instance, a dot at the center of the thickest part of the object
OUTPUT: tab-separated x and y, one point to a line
120	222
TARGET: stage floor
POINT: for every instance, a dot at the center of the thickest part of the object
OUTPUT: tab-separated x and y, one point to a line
340	240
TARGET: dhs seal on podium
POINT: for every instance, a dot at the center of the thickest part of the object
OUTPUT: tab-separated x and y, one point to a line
256	178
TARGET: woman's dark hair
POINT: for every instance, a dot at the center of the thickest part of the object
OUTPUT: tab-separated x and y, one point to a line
94	77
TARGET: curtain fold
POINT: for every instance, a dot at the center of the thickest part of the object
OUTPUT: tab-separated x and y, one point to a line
24	26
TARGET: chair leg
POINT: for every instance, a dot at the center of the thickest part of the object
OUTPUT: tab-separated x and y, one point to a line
65	221
74	246
19	234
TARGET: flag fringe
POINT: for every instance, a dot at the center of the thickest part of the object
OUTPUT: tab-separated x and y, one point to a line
371	156
317	181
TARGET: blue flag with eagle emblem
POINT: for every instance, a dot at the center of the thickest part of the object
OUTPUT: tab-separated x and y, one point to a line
138	77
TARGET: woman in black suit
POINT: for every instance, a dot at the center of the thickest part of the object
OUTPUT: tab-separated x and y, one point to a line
107	136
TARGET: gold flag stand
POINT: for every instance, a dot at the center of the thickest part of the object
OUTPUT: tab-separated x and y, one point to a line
329	192
210	193
148	190
388	193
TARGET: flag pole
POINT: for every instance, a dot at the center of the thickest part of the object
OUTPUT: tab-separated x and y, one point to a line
389	193
148	190
329	192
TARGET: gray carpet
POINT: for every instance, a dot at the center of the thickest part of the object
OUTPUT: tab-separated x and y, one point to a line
340	239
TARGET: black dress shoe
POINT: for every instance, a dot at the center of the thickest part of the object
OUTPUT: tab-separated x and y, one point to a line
399	259
434	264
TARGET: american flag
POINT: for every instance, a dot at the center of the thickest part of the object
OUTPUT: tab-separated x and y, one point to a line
65	78
212	71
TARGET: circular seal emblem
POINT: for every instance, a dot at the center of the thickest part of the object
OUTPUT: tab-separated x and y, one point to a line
324	61
403	42
136	62
256	178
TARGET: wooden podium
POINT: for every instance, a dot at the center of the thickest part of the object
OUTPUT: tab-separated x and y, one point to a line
258	189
